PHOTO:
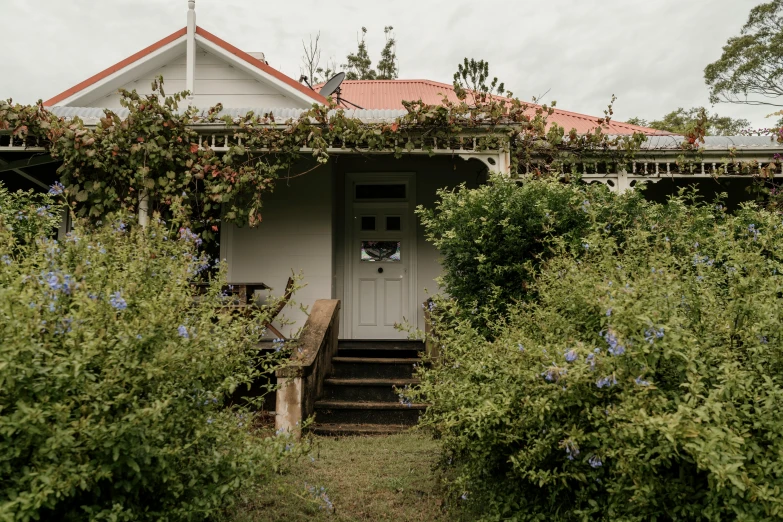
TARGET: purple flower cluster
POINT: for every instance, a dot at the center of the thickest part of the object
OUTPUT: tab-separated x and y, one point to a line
186	234
606	382
641	382
56	189
615	348
571	448
117	301
595	461
653	333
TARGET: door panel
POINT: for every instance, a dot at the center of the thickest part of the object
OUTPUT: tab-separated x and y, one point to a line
392	306
367	302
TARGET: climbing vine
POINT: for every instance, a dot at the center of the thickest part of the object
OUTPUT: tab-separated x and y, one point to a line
155	152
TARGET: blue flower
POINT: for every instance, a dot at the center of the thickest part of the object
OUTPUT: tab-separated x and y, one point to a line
53	281
6	259
572	449
609	311
605	382
595	461
615	348
571	355
182	331
586	246
210	420
56	189
641	382
278	344
117	301
521	348
653	333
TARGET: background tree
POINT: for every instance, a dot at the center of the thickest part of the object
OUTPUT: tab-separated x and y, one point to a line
311	70
387	66
750	70
471	78
359	64
682	121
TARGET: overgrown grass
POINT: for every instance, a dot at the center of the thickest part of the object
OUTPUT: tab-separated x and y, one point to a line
364	478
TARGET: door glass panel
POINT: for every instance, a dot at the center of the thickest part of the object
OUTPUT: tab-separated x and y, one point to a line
378	191
393	223
368	222
381	251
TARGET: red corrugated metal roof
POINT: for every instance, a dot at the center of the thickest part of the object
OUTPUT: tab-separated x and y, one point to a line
389	94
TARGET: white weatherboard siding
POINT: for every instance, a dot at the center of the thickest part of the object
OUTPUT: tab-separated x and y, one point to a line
295	236
215	82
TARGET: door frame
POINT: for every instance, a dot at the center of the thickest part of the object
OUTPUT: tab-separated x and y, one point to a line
380	178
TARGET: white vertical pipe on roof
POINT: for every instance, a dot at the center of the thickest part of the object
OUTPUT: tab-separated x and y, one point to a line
190	59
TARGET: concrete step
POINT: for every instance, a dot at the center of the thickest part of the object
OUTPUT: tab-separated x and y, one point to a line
373	367
342	430
379	348
362	412
373	390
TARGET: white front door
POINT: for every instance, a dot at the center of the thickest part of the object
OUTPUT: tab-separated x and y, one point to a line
380	249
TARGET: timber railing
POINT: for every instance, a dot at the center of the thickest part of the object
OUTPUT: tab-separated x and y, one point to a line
300	382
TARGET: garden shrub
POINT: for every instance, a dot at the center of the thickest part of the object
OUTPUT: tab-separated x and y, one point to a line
114	379
645	382
493	238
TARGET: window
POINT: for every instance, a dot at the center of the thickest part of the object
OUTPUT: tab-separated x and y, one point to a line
368	222
379	191
381	251
393	223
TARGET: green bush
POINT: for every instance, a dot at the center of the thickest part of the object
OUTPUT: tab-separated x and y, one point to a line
114	380
492	239
645	382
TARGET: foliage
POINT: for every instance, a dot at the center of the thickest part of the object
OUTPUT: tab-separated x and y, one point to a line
493	239
683	121
644	383
115	379
27	216
750	70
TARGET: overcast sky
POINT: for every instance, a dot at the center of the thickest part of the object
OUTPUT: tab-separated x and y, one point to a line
650	53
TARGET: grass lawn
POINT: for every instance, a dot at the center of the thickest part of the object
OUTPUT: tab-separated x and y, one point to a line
365	478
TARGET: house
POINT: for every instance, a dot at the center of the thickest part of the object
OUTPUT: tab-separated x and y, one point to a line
348	226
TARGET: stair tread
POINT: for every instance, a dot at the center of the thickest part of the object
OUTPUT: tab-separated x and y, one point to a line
381	360
378	429
348	381
366	405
